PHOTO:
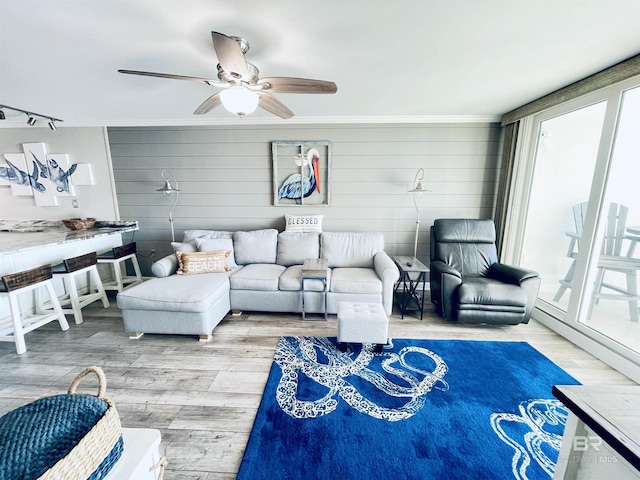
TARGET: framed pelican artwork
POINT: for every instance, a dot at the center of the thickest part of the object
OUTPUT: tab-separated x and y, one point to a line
301	172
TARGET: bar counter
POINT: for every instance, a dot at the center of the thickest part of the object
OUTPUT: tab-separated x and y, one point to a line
29	244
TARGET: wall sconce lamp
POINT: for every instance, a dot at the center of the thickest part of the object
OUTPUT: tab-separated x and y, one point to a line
418	190
169	189
32	118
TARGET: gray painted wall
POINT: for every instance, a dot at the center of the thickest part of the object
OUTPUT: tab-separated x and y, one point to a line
225	177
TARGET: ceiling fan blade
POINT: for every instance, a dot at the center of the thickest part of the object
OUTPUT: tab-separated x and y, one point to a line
272	105
209	104
208	81
297	85
230	54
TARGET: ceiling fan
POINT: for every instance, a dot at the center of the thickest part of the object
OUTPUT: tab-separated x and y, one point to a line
242	90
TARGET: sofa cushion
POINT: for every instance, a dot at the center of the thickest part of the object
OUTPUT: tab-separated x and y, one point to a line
257	246
184	246
355	280
177	293
197	263
291	280
193	234
295	247
215	244
349	249
257	276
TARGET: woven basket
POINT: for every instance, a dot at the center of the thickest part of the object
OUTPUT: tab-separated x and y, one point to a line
70	437
79	224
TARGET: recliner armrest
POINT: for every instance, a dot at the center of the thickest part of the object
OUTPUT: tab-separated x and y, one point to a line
440	268
444	280
510	274
527	279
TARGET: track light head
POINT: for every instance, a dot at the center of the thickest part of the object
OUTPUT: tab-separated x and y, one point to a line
2	115
52	124
32	120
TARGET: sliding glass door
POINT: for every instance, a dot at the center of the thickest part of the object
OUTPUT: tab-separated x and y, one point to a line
580	224
612	293
565	158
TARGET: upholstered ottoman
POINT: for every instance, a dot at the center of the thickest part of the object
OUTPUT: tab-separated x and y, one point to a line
178	304
360	322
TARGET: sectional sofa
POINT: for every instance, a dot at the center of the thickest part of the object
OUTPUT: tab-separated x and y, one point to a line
259	270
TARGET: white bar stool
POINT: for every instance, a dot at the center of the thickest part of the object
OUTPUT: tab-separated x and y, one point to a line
13	328
117	259
73	301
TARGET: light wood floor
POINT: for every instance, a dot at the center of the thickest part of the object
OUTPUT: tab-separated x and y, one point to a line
203	396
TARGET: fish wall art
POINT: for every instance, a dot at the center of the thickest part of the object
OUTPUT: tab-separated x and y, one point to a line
39	174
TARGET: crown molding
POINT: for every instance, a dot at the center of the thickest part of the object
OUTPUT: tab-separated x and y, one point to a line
269	121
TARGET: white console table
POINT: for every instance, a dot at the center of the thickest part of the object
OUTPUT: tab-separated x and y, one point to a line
141	452
602	434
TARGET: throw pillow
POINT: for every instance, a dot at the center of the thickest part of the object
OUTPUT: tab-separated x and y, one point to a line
193	263
184	246
303	223
214	244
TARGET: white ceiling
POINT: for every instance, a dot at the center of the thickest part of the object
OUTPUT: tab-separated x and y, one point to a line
406	60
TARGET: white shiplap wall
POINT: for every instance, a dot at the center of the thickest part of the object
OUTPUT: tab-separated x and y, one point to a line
225	177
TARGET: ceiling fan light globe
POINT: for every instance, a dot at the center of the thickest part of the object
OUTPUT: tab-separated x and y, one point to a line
239	100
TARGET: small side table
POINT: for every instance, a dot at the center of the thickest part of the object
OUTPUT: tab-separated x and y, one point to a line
412	273
315	269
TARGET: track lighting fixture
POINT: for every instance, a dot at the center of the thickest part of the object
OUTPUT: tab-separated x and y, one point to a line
32	117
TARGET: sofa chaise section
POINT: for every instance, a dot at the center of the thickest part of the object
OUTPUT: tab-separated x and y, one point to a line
184	305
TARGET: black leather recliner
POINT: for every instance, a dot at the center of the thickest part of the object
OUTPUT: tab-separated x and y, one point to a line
467	282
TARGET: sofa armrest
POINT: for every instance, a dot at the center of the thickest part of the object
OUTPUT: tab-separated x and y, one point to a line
444	280
388	272
165	266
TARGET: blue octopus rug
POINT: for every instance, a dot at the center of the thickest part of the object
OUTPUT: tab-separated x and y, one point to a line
419	409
